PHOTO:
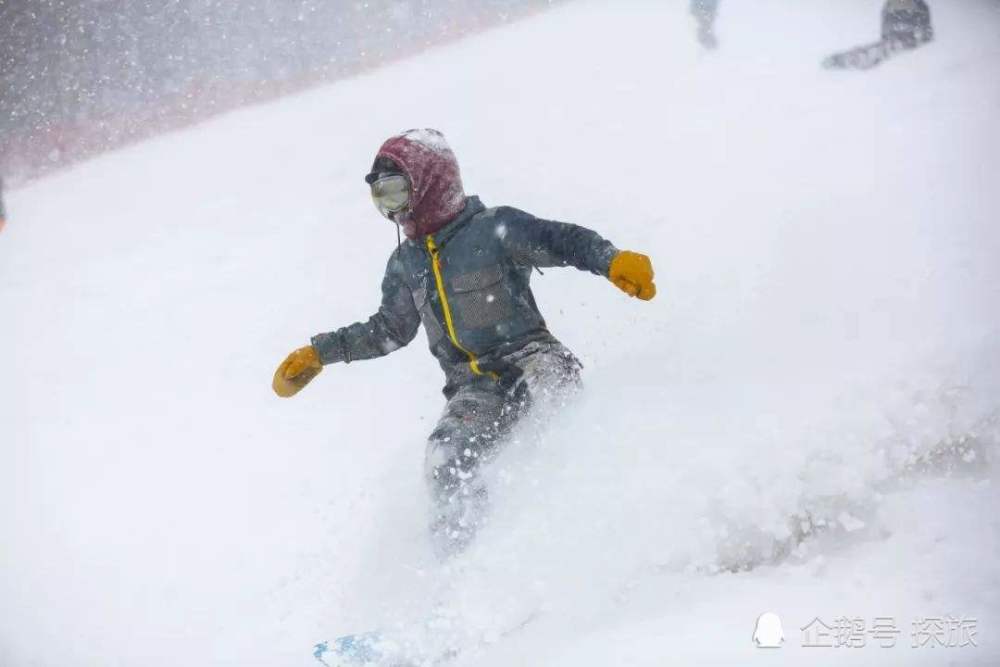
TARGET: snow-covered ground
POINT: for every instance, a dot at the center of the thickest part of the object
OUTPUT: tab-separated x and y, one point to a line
803	421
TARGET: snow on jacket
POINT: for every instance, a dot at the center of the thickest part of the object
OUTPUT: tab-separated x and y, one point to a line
468	284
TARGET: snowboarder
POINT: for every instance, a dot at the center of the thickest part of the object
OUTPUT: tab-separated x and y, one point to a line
906	24
463	272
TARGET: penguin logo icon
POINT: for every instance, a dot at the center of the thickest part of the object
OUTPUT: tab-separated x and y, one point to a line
768	633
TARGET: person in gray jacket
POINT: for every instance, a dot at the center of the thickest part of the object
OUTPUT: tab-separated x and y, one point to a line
464	273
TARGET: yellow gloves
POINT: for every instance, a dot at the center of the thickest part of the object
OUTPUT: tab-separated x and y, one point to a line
632	273
296	371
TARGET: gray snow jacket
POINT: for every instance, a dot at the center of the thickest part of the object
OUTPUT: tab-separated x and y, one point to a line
469	285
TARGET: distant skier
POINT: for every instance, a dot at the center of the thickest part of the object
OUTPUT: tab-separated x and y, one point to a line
464	272
704	12
906	24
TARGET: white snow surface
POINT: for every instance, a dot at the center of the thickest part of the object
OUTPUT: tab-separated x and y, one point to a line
804	421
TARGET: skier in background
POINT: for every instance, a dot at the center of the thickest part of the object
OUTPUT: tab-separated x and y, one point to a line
704	12
906	24
464	272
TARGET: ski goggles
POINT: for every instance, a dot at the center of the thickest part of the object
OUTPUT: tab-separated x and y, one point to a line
391	193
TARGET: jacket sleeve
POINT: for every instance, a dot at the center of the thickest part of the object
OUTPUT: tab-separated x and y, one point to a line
536	242
392	327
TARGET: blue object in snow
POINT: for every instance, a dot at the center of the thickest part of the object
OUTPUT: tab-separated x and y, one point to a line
351	649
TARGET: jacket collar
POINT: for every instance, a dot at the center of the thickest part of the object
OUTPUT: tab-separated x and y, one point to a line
473	206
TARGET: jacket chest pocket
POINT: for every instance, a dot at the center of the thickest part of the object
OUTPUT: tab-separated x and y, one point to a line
480	298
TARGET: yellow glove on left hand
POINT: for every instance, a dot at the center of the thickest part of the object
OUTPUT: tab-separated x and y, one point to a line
632	273
296	371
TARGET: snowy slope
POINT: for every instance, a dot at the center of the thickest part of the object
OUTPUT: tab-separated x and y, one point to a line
803	421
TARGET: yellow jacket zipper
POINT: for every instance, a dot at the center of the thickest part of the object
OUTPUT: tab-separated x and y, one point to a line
432	249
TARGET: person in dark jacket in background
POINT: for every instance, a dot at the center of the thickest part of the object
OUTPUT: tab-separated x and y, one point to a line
906	24
464	273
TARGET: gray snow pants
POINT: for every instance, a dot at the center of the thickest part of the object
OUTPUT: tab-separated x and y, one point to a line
475	422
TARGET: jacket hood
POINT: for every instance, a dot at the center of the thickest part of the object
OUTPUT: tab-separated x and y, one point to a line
437	195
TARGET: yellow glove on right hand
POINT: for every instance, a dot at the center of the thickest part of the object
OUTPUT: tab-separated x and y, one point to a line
296	371
632	273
